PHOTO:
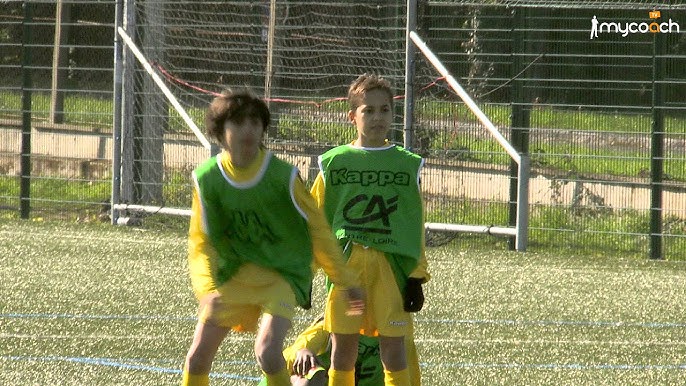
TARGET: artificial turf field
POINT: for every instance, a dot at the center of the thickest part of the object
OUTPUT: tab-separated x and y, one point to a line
93	304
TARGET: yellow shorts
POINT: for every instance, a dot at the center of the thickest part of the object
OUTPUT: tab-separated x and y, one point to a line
384	314
250	293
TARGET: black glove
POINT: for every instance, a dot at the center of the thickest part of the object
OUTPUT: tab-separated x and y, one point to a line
414	295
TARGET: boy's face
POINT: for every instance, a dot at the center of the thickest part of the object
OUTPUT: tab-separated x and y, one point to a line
372	118
243	139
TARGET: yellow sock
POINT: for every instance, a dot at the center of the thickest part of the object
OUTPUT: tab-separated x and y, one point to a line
281	378
195	379
397	378
341	378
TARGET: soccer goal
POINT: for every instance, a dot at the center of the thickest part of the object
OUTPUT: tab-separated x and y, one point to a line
172	58
117	206
520	229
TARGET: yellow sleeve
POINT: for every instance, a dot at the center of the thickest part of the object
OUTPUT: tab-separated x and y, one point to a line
327	253
201	254
421	271
314	338
317	190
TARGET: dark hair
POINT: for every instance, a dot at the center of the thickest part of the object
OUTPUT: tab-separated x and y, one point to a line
234	106
364	83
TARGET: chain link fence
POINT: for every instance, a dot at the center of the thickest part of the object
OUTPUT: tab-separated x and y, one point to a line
592	91
55	108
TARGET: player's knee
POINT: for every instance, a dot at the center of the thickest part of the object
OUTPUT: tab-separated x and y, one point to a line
343	360
213	303
393	353
344	351
269	356
198	362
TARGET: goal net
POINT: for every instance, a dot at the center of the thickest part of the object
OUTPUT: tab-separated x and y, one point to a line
301	56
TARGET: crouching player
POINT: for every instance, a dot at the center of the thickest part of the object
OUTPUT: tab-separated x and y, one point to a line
308	359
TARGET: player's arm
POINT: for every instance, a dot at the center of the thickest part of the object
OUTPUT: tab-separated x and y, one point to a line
301	356
327	252
317	190
201	253
421	272
413	296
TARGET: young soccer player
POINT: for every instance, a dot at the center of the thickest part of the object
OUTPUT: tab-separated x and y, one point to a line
370	193
254	235
309	358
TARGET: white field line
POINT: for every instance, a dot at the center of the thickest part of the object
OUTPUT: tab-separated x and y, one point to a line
418	321
251	338
247	338
133	365
546	342
153	239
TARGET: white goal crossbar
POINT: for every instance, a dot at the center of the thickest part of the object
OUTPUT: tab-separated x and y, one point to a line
118	207
520	230
165	90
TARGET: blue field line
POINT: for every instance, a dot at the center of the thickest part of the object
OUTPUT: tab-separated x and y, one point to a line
106	317
554	366
87	316
502	322
126	365
586	323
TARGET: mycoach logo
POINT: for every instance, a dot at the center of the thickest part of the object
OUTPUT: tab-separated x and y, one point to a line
626	28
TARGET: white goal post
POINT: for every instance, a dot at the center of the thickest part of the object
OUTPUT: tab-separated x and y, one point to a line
119	207
300	58
520	230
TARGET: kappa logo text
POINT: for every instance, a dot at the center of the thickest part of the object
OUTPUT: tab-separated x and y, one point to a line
368	177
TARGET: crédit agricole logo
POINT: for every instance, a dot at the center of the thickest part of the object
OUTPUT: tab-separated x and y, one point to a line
627	28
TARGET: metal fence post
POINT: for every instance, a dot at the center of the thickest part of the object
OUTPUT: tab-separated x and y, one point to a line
522	214
60	61
150	128
408	133
520	116
657	139
26	88
117	112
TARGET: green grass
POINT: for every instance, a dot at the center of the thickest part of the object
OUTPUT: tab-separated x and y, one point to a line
51	194
584	230
89	304
587	231
587	158
330	133
100	113
313	124
548	117
79	108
